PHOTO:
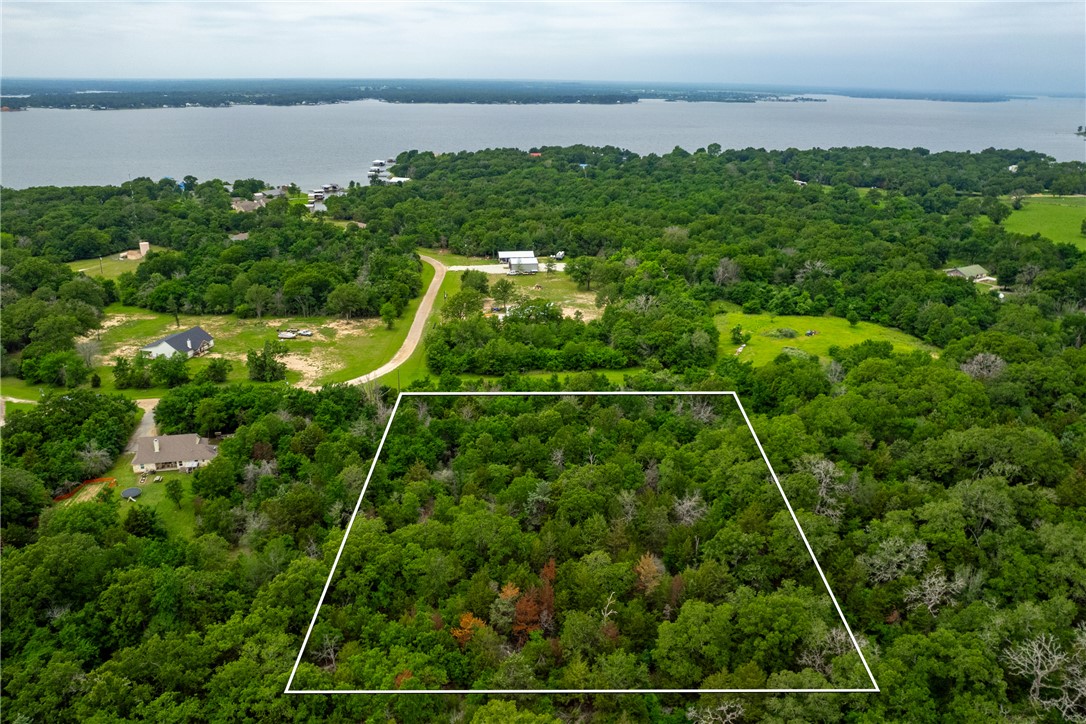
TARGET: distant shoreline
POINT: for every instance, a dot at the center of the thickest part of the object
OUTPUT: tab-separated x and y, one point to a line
21	94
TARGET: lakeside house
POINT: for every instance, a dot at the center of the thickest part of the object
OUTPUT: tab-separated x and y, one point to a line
172	452
192	342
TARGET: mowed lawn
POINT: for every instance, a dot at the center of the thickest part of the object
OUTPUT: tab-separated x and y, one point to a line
831	331
449	259
179	522
109	266
1058	218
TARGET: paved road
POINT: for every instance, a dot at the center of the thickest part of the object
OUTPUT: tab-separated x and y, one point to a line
418	326
146	428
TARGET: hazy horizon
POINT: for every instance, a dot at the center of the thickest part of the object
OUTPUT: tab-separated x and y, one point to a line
1018	48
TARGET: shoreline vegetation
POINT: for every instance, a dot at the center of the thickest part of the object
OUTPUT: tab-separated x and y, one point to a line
91	94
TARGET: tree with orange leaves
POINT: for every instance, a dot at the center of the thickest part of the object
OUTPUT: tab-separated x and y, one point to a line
468	626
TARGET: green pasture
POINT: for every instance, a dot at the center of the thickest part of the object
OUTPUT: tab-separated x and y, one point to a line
20	389
1058	218
109	266
831	331
10	407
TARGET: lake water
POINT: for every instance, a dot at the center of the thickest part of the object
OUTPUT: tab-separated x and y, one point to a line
311	145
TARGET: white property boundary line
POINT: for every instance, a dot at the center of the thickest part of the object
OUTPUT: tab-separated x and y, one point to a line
388	426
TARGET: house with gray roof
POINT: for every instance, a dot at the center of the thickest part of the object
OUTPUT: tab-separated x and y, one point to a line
172	452
191	342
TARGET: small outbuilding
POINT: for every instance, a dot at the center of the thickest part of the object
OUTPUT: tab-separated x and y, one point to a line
524	265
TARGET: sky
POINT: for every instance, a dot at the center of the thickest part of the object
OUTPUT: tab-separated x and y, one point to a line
1009	47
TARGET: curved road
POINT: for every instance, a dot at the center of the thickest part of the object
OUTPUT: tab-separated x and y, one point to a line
414	336
418	326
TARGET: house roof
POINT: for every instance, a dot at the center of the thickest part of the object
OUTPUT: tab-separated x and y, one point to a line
516	254
173	449
181	341
973	270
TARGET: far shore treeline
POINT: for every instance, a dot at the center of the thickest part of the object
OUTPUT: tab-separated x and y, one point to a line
22	93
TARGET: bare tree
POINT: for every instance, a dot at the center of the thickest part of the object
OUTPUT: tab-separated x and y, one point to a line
934	591
423	412
627	499
726	272
326	652
88	350
835	372
689	509
374	397
642	303
724	712
699	408
558	458
984	366
1058	676
833	489
894	557
822	649
608	609
813	268
254	471
94	459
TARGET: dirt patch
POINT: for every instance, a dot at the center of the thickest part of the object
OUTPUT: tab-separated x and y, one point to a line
583	302
311	366
86	494
350	326
110	321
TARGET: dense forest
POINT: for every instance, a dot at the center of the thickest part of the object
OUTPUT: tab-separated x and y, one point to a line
610	542
664	241
595	542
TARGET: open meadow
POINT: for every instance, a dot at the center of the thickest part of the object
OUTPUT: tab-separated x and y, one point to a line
1058	218
767	343
109	266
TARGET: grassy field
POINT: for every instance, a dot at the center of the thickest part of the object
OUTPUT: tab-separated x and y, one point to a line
1058	218
559	288
449	259
178	522
762	348
109	267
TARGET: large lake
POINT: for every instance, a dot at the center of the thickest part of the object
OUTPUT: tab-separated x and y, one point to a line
311	145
